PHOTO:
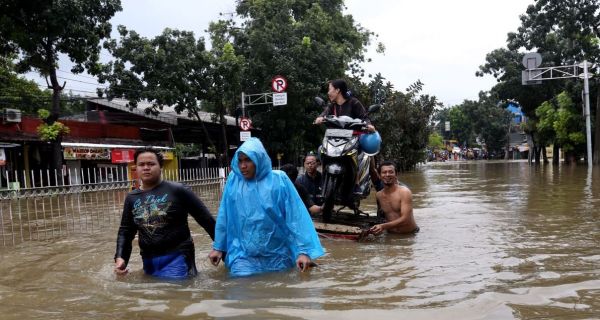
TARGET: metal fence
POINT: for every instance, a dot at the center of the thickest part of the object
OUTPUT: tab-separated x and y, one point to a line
86	205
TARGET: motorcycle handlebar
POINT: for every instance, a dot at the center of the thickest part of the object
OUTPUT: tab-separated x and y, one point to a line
361	126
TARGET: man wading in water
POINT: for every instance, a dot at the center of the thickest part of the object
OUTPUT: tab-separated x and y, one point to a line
396	203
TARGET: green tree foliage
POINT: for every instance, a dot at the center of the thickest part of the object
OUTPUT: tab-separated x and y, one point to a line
563	32
483	120
19	93
435	141
175	69
461	124
308	42
404	125
50	132
491	122
39	31
187	150
225	73
562	124
172	69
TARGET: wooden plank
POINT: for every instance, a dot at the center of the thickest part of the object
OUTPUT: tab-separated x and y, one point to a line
337	228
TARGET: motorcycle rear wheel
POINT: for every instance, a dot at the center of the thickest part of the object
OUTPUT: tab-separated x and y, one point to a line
329	197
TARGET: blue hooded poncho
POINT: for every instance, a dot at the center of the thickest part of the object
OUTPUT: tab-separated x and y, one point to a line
262	223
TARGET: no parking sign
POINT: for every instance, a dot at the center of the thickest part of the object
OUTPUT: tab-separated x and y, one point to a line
279	84
245	124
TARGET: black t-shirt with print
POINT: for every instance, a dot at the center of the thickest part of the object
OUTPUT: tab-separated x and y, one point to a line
160	215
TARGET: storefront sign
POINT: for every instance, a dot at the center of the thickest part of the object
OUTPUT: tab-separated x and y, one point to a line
82	153
121	155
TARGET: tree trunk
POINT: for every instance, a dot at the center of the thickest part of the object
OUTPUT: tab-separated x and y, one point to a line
531	145
555	154
57	156
544	155
205	131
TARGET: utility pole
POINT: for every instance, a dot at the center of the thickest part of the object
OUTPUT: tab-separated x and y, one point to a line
535	75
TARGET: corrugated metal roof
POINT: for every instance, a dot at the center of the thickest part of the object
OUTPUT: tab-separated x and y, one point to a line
167	114
122	104
106	145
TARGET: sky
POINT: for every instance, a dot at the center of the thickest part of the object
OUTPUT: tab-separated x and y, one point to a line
440	42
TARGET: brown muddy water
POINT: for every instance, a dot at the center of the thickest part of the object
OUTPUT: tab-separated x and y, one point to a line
498	240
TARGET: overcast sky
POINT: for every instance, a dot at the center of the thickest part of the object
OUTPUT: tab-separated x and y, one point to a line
440	42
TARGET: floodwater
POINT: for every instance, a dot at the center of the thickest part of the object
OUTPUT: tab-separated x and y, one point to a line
498	240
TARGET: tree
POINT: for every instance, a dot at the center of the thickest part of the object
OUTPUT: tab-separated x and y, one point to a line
19	93
226	74
564	33
308	42
491	122
435	141
172	69
562	124
39	31
404	125
461	126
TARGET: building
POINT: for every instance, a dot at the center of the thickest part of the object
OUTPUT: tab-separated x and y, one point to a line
101	143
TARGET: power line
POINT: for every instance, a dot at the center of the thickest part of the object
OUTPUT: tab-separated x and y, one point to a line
76	74
59	77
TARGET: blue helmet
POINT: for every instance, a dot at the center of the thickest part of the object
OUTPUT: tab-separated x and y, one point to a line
370	142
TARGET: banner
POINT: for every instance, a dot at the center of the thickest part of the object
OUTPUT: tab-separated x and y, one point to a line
122	155
83	153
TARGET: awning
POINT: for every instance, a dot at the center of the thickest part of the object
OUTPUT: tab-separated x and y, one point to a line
8	145
113	146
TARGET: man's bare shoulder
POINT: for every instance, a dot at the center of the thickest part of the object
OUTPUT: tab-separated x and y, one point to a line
398	189
404	191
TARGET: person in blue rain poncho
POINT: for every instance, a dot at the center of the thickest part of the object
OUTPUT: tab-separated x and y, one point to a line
262	224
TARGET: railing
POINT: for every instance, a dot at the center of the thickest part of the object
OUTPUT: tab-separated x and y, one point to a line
49	182
88	205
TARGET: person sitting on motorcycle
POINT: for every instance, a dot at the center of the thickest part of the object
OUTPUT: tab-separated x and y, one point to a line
343	104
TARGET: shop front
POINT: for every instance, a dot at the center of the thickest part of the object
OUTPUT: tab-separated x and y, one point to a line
97	163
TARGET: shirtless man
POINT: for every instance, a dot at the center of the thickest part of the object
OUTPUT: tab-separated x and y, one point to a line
396	203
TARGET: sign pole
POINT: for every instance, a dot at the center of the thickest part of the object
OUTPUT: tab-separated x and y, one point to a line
586	98
243	107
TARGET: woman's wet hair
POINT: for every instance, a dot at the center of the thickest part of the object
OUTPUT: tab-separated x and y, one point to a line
342	86
159	156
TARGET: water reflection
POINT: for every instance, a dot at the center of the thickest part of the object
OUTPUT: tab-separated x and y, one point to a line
498	241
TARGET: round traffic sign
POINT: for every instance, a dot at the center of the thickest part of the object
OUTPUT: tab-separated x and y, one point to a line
245	124
279	84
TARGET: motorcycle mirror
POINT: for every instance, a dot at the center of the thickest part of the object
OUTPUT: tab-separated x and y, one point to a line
319	101
374	108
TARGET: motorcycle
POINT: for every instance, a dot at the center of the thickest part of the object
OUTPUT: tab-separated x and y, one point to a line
345	165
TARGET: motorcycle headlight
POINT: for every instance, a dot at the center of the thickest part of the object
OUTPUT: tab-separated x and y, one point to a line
352	146
334	150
